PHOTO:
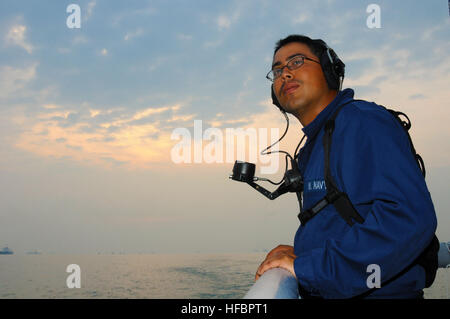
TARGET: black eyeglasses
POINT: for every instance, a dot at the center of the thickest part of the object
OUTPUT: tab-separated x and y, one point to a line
292	64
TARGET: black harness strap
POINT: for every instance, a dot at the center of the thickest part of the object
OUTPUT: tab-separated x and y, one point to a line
339	199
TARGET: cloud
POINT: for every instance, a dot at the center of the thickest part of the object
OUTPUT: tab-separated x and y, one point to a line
366	90
212	44
156	63
79	39
133	15
16	36
184	37
133	34
63	50
90	10
417	96
301	18
102	137
223	22
181	118
431	32
51	106
13	80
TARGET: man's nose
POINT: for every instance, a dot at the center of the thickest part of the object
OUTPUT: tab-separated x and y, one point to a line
286	75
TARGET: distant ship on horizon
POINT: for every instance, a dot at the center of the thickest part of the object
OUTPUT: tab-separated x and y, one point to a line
6	251
34	252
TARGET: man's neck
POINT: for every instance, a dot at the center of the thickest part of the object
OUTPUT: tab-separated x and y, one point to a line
314	110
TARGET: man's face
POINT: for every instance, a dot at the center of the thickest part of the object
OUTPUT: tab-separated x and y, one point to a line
298	90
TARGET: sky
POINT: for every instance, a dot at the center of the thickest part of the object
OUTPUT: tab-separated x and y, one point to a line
88	116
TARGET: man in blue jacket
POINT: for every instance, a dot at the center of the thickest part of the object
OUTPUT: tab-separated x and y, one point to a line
371	161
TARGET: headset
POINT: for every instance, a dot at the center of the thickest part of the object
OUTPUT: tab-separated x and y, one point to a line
334	71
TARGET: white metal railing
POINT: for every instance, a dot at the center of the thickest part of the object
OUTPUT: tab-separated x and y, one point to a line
448	271
444	262
275	283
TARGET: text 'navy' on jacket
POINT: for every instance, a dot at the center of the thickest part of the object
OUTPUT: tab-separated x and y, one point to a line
371	161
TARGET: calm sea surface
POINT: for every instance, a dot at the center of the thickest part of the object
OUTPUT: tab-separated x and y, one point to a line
142	276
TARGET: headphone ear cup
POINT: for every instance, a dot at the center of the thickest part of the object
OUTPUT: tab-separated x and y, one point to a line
275	100
328	70
338	66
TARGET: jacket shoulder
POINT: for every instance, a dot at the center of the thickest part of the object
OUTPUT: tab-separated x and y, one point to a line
361	109
368	115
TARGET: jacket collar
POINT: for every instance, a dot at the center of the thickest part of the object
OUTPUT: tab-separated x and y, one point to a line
314	127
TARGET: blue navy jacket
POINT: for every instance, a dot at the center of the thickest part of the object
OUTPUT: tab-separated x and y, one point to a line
371	161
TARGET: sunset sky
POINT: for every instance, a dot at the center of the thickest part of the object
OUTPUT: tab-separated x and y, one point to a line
87	115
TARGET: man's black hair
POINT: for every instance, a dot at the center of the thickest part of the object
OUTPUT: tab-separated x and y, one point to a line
314	46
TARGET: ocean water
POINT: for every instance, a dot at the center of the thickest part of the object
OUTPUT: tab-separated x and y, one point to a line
190	276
